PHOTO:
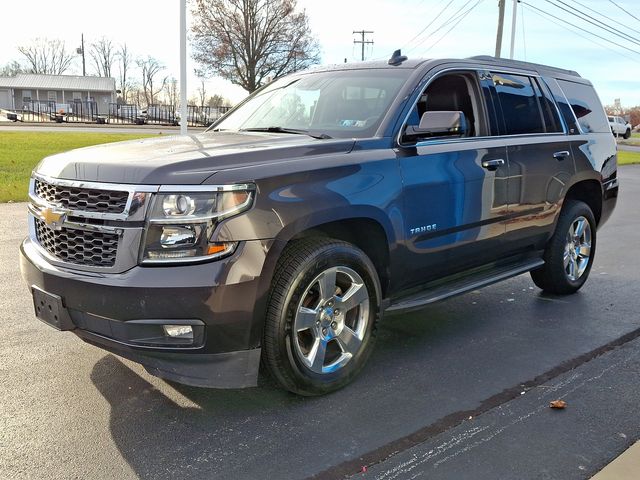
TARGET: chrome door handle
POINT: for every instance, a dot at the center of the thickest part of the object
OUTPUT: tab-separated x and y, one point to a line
561	155
492	165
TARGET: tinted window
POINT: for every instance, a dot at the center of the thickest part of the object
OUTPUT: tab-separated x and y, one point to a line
519	104
561	101
586	106
549	112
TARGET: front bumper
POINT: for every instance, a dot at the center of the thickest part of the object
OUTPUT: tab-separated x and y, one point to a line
221	295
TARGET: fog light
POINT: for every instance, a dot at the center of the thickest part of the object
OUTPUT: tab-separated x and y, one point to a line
178	331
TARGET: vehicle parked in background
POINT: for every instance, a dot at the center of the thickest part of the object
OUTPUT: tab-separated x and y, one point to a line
286	230
619	126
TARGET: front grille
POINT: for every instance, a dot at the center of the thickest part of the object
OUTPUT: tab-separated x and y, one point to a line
81	247
84	199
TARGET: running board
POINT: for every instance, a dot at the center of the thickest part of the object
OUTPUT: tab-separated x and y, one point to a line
461	285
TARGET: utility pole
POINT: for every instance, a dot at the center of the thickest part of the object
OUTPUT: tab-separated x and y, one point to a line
500	27
363	41
514	15
81	51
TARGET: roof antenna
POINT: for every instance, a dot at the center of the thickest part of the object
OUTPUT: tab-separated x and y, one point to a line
397	58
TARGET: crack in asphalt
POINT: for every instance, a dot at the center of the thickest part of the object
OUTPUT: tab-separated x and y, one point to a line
355	466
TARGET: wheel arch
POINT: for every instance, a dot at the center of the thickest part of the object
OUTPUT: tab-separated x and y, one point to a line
588	191
368	231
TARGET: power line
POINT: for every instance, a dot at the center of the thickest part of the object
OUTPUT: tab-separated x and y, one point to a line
551	18
605	16
478	2
446	23
629	13
597	22
582	29
429	24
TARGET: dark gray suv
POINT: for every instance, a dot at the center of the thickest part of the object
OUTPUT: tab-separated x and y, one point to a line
326	198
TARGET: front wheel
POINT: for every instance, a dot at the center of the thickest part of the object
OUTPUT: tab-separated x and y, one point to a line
570	252
321	318
627	134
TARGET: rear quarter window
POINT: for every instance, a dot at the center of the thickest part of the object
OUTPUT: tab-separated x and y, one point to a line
586	106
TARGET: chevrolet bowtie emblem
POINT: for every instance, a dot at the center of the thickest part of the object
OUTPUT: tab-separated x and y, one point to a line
52	217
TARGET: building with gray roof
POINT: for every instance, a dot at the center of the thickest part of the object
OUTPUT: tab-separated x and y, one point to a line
25	89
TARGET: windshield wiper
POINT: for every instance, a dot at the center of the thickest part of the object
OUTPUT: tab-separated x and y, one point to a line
321	136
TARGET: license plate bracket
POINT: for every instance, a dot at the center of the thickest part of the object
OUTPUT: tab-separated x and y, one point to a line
50	309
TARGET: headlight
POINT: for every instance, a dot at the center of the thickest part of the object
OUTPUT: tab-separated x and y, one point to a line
181	223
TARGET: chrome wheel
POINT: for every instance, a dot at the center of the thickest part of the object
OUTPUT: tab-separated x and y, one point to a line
577	250
331	320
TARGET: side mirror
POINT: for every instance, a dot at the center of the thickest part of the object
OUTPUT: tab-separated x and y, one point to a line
439	124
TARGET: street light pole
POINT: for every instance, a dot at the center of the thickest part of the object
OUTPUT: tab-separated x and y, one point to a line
183	67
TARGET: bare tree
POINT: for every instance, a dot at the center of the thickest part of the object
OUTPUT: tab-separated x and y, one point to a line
46	56
11	69
151	86
246	41
124	60
103	55
202	93
171	93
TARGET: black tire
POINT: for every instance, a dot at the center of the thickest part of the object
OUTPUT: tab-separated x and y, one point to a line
627	134
554	277
296	280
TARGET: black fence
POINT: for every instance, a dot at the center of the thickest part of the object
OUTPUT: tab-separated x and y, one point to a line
119	114
82	112
204	116
125	114
161	115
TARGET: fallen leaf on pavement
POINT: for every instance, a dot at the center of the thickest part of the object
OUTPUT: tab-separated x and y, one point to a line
558	404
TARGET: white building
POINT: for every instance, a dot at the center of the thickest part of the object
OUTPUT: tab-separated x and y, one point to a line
21	91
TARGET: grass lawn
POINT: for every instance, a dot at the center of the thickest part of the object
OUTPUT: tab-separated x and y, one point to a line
21	151
628	158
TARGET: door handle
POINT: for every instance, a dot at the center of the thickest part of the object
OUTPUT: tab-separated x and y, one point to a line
561	155
492	165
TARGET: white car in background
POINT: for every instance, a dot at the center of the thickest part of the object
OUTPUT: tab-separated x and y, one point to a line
619	127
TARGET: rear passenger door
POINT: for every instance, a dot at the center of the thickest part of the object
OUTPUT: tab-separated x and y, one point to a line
539	155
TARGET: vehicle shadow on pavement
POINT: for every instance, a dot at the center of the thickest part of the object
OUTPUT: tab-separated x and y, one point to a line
161	427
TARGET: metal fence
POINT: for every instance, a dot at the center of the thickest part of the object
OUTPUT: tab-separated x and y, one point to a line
161	115
203	116
120	114
125	114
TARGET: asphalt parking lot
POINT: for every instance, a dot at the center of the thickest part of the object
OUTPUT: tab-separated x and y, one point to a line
457	390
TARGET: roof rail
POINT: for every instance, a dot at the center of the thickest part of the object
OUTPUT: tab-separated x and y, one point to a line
520	63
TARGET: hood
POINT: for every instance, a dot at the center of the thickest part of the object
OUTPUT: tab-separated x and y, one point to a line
187	160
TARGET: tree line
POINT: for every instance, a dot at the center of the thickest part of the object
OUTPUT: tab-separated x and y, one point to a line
247	42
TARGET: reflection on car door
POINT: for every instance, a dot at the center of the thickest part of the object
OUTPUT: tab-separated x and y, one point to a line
454	207
540	159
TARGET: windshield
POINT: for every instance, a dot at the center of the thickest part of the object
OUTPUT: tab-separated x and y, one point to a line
341	104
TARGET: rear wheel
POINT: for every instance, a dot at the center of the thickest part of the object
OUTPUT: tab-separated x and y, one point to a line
570	252
321	317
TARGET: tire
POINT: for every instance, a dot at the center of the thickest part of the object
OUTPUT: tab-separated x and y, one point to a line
570	252
627	134
328	293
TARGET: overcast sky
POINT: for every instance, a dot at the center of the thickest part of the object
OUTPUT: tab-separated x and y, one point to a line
150	27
